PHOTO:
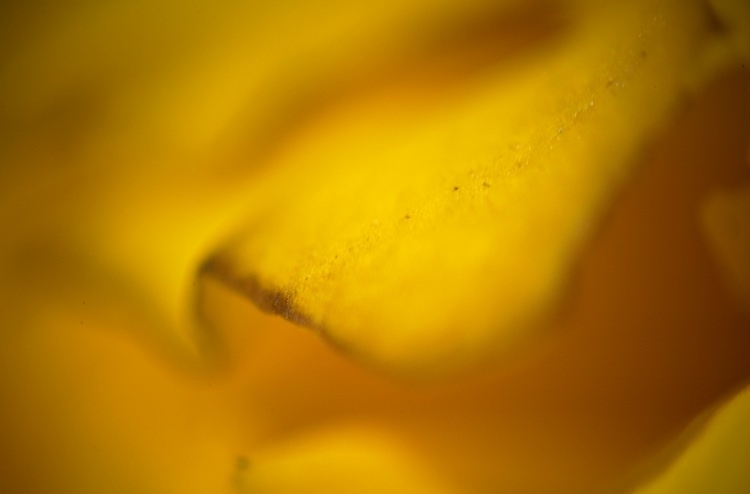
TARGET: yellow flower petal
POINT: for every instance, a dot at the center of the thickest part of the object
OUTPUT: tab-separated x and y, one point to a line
337	461
423	237
87	409
129	131
716	458
726	219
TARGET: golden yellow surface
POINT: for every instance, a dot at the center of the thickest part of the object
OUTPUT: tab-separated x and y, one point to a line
427	239
166	168
715	459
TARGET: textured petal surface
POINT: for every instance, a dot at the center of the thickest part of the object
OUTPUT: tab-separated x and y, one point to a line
128	135
424	237
128	132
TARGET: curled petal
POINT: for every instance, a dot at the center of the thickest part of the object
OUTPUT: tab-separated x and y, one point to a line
426	237
715	459
726	220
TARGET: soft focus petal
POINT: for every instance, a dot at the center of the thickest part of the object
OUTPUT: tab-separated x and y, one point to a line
726	218
129	154
129	131
87	409
715	459
649	340
424	233
339	460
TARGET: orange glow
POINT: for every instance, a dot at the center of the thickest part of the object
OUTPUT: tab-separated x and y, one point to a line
132	141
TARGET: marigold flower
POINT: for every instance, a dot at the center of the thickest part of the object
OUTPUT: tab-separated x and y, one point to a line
515	236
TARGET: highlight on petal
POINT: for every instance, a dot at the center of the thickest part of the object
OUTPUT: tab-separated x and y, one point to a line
339	460
726	222
128	131
715	460
427	237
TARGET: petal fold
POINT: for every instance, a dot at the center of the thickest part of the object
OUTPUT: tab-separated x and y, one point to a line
424	235
715	459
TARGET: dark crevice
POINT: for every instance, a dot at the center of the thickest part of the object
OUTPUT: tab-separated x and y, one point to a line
272	301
